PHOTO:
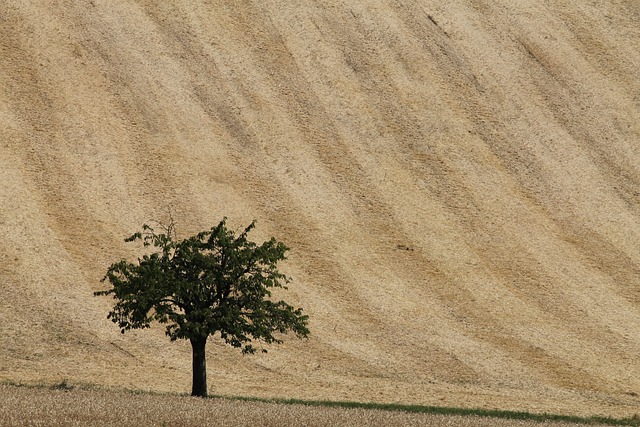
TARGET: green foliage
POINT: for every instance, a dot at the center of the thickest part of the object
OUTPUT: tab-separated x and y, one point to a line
213	282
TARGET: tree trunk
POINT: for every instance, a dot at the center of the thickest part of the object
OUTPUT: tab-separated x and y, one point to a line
199	387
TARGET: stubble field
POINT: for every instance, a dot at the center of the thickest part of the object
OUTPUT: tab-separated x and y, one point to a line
459	181
29	406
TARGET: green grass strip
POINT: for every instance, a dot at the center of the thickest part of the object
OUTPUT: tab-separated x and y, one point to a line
439	410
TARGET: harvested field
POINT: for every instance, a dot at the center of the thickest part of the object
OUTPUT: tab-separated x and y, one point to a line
459	181
43	407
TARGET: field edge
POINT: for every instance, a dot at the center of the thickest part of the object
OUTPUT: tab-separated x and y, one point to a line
633	421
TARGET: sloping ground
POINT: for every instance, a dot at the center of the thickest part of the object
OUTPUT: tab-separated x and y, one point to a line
459	182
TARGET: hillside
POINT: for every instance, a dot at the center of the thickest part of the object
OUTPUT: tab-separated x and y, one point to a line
459	182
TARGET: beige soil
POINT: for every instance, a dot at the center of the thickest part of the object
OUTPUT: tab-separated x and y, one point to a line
459	182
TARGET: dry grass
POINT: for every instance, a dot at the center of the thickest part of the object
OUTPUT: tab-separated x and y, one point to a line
27	406
459	181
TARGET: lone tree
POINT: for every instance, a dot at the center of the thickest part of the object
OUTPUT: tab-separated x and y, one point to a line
213	282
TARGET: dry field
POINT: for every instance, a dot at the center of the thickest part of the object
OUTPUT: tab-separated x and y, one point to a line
459	181
23	406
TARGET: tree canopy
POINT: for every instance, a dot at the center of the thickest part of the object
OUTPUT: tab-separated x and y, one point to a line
210	283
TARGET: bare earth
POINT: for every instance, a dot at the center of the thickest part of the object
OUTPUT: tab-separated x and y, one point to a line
459	181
